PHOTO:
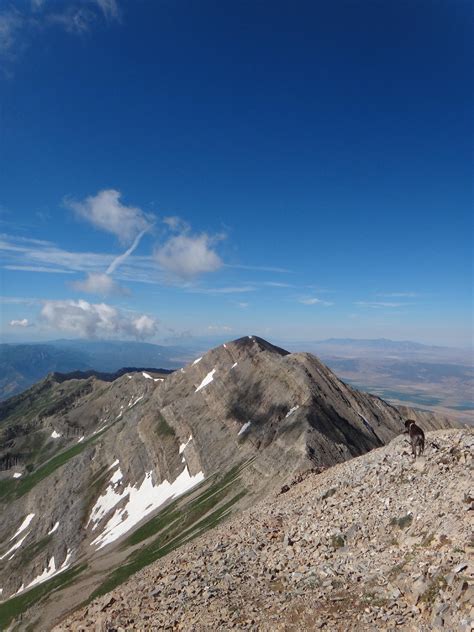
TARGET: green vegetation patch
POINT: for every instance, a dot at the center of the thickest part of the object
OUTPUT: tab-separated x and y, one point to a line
14	488
163	428
176	525
15	606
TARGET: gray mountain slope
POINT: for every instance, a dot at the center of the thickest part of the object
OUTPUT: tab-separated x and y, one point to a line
114	475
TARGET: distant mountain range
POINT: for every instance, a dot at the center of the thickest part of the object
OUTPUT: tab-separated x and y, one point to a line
21	365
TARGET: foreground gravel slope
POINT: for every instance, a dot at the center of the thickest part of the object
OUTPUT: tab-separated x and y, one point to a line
379	542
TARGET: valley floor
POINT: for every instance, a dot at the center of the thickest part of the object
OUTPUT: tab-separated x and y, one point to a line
380	542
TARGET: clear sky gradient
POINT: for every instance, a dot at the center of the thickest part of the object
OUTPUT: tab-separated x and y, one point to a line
295	170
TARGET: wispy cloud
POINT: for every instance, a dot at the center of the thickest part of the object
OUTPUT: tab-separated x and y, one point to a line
219	328
231	289
257	268
314	301
19	300
398	294
277	284
379	304
110	9
17	25
38	269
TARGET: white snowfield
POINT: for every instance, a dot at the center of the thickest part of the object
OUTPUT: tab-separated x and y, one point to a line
17	475
158	379
197	360
53	529
245	427
141	501
147	375
207	380
291	411
49	572
80	440
55	435
234	365
24	525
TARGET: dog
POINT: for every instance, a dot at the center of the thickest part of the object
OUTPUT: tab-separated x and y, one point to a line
417	437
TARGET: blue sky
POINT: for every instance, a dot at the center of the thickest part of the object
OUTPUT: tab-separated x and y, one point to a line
295	170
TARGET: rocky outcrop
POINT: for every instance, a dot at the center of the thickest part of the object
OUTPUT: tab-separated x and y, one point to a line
381	542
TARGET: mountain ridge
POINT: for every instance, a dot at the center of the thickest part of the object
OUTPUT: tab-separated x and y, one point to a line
199	443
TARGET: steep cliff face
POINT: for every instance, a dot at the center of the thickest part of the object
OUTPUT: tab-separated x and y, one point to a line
96	475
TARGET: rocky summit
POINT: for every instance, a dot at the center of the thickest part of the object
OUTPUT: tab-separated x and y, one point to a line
102	477
381	542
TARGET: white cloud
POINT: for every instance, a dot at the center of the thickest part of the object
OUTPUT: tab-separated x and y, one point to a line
186	256
90	320
315	301
105	211
19	323
99	283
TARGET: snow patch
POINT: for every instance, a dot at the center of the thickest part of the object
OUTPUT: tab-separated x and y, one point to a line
197	360
132	402
141	501
207	380
55	435
55	528
15	546
158	379
108	500
17	474
116	477
183	446
234	365
81	439
24	525
49	571
147	375
114	464
366	423
245	427
225	346
291	411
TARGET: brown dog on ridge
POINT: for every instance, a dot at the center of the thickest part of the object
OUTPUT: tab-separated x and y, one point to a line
417	437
